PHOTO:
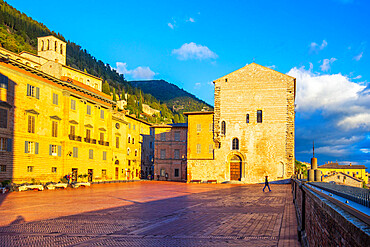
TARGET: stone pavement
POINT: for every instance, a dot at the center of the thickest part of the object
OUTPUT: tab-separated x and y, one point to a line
150	214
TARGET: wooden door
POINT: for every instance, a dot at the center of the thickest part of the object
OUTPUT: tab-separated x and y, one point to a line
116	174
235	168
74	174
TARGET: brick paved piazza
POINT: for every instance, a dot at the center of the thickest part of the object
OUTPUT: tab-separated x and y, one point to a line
150	214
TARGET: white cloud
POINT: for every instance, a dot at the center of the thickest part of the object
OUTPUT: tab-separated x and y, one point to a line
365	150
171	25
314	47
190	20
358	77
358	57
326	63
360	120
271	67
193	51
138	73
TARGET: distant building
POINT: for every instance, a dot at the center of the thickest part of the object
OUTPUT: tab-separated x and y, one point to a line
357	171
250	134
170	151
342	178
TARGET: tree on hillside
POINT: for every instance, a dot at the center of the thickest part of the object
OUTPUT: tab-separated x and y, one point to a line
106	88
114	95
123	97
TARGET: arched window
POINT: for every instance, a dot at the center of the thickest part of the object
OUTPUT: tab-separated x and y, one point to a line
42	45
247	118
61	49
129	139
128	152
135	152
259	116
133	140
223	128
235	144
48	44
116	162
55	46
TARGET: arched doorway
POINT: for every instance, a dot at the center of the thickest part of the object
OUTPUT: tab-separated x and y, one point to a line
235	167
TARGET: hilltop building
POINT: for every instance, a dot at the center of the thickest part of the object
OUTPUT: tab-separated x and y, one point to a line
343	179
356	171
250	134
55	120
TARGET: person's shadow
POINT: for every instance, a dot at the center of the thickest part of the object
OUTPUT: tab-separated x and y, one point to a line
18	220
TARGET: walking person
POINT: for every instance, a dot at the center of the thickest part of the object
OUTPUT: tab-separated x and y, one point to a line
266	184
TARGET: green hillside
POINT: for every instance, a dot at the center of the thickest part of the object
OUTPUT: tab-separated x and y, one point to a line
178	100
18	32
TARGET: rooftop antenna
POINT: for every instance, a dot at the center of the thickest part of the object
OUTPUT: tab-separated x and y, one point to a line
313	148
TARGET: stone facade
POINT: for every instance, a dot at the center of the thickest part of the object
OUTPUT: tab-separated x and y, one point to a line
253	128
170	152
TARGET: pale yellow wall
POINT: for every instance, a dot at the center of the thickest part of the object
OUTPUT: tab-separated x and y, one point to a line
84	78
204	137
359	173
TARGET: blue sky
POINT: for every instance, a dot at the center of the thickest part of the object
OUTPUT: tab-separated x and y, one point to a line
323	43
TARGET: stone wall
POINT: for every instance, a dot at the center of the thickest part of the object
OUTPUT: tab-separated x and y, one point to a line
322	223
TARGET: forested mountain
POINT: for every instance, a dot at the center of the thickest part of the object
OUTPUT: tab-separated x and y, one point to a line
178	100
18	32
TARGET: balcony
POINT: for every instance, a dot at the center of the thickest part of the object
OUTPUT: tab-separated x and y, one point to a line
88	140
75	138
103	143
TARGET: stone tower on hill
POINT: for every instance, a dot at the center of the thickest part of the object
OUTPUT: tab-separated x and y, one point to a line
251	132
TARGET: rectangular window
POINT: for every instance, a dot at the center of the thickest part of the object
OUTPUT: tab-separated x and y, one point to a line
163	153
210	148
75	152
72	130
163	172
55	99
3	118
247	118
101	136
163	136
199	127
102	114
33	91
3	144
199	148
134	127
117	142
31	147
104	155
31	124
259	116
129	125
211	127
88	134
177	154
3	81
91	154
73	104
53	150
54	129
54	170
88	109
29	168
177	136
2	168
177	172
103	173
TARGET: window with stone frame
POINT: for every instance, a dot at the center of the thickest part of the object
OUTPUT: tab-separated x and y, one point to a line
117	141
163	136
177	135
73	104
55	99
31	124
3	118
177	172
247	118
163	153
29	168
199	127
235	144
223	128
72	130
177	154
259	116
199	148
54	129
2	168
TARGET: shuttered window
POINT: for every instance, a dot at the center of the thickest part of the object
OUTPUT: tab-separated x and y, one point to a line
3	118
33	91
104	155
91	154
75	152
73	104
199	148
54	129
31	124
55	99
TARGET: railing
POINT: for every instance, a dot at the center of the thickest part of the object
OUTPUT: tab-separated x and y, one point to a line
103	143
74	138
88	140
358	195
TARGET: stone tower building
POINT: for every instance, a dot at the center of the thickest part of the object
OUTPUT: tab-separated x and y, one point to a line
251	132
